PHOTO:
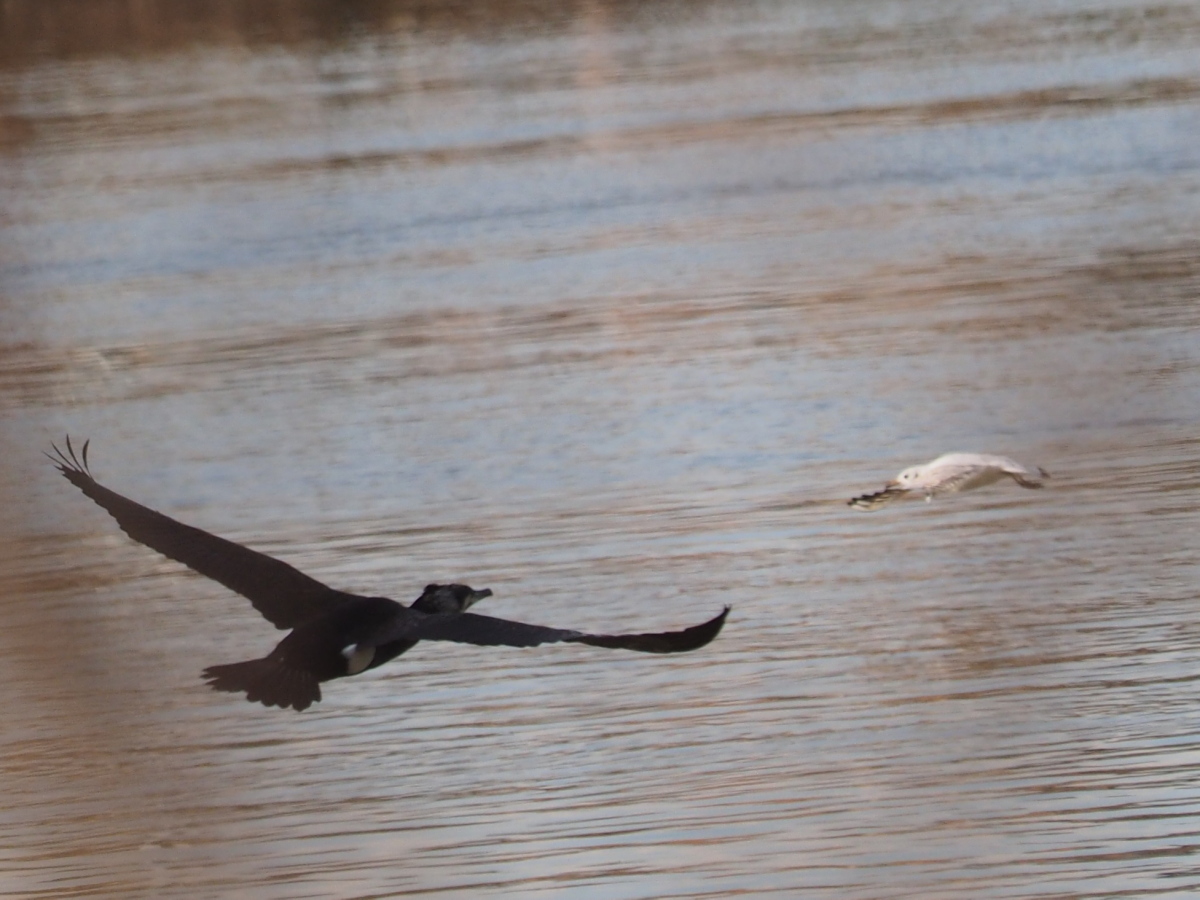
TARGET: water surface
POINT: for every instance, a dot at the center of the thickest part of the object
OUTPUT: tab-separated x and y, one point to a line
609	307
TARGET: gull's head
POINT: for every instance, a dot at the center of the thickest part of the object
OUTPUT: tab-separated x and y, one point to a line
907	478
449	598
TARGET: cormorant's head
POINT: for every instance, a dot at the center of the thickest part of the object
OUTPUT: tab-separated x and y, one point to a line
449	598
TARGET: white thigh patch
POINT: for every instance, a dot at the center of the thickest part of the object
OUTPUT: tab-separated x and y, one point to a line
357	658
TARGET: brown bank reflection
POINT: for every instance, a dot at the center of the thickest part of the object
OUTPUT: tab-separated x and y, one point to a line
63	29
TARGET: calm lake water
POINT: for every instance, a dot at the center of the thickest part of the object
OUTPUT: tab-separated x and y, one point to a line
609	307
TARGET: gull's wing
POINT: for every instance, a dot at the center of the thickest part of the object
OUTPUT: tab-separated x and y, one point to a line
948	479
877	499
285	596
968	470
471	628
1023	476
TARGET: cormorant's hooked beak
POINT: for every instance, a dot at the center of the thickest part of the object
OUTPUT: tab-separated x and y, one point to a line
475	596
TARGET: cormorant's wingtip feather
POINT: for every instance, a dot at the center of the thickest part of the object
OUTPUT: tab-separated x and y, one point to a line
60	460
718	620
70	461
688	639
716	623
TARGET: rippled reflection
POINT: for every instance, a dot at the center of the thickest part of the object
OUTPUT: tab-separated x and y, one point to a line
609	307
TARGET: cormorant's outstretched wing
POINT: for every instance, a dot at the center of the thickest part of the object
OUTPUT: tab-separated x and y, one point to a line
471	628
285	596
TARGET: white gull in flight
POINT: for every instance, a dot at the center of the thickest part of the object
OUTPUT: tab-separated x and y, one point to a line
949	473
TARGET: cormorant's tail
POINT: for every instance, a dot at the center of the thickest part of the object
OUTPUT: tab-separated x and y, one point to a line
266	681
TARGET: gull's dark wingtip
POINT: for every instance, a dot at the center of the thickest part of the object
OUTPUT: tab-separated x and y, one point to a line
875	500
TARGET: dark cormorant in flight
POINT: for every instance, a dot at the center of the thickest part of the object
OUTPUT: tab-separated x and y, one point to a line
334	634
